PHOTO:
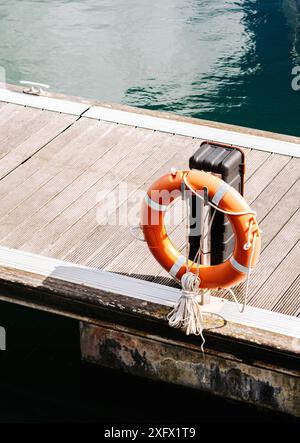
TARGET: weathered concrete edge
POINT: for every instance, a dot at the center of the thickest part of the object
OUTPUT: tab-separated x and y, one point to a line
218	373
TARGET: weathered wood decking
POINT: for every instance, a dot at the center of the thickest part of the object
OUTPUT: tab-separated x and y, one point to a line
53	165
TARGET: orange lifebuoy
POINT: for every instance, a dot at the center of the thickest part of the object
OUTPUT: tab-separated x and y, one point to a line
164	191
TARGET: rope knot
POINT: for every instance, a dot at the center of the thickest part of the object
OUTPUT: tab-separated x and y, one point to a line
190	282
187	313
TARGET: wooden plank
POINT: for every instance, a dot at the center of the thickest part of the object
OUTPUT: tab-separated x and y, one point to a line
147	266
275	253
20	126
98	235
143	265
276	184
73	202
264	175
8	112
33	212
41	132
275	206
280	214
2	105
194	130
280	186
254	160
24	132
64	153
289	302
105	242
60	151
19	194
127	261
86	224
278	282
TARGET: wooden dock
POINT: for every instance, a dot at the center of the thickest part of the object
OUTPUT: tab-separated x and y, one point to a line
53	165
57	154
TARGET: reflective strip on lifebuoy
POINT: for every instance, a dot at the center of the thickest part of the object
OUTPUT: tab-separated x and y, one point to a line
238	266
177	266
222	189
154	207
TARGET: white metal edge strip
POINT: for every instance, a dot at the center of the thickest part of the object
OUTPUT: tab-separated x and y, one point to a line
47	103
195	130
142	290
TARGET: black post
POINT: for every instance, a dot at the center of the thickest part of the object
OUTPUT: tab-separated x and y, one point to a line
228	162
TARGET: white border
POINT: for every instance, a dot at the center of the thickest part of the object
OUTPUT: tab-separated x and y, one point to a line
194	130
142	290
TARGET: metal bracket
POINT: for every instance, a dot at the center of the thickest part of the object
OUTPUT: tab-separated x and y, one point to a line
182	190
205	256
35	88
205	297
205	196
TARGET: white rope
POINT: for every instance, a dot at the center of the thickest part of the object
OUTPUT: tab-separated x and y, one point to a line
186	313
202	238
214	206
187	241
244	304
248	244
190	282
249	272
235	300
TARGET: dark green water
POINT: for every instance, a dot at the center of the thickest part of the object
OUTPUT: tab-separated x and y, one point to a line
222	60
